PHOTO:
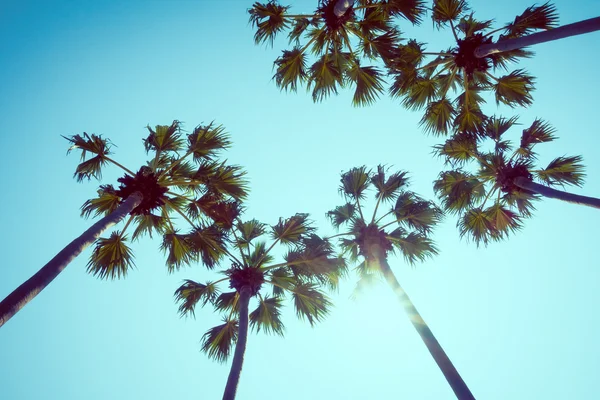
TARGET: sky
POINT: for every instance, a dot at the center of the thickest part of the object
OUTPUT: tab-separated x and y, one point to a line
518	318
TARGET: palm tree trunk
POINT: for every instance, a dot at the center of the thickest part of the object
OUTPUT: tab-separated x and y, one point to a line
577	28
457	384
34	285
545	191
240	346
341	6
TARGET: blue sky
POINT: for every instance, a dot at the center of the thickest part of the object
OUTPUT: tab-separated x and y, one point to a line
518	318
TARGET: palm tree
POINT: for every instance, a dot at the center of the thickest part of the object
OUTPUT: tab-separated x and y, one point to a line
309	265
182	178
506	43
372	239
425	83
493	198
341	36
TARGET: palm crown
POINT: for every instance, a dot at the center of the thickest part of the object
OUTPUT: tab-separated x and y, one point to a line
367	238
340	40
488	199
182	178
429	83
307	267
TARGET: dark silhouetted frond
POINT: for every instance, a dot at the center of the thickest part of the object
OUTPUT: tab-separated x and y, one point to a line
388	189
218	341
355	182
534	18
369	84
437	119
413	246
111	258
267	316
310	303
515	89
164	138
206	141
563	170
268	19
290	69
191	293
342	214
458	190
292	229
106	202
444	11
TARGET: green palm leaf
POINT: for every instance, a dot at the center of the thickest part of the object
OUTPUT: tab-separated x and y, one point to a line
227	302
267	316
423	91
324	78
111	257
563	170
223	179
355	182
290	69
414	246
148	223
292	229
477	224
457	150
534	18
387	189
514	89
178	249
385	46
268	19
342	214
259	257
191	293
444	11
412	10
282	280
417	213
310	303
207	242
503	219
437	119
538	132
206	141
218	341
249	230
164	138
106	202
469	119
458	190
94	144
369	84
298	29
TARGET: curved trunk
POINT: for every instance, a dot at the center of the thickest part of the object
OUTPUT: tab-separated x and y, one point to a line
577	28
457	384
341	6
34	285
240	346
545	191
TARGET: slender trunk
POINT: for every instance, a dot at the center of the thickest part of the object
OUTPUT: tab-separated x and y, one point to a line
545	191
341	6
457	384
34	285
240	346
577	28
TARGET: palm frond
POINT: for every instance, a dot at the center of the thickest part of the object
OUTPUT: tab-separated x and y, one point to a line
259	254
476	224
388	188
470	26
106	202
417	213
95	144
207	243
414	246
164	138
191	293
469	119
267	316
354	182
412	10
369	84
534	18
503	220
421	93
324	77
437	119
342	214
148	223
457	150
178	249
538	132
223	179
249	230
291	230
310	303
227	302
444	11
111	258
290	69
563	170
206	141
494	127
269	19
522	200
515	89
218	341
458	190
298	29
282	280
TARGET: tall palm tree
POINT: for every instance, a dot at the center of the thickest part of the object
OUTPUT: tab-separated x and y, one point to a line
342	37
494	196
430	83
182	178
404	227
309	265
507	43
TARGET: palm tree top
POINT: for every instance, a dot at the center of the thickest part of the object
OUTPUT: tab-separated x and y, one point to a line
426	80
182	178
401	220
480	186
308	266
341	38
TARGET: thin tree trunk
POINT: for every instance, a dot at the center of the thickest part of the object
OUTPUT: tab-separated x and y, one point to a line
240	346
545	191
341	6
457	384
34	285
577	28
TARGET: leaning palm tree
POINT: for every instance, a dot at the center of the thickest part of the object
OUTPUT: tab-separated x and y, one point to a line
451	85
498	191
403	227
182	178
342	36
308	266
